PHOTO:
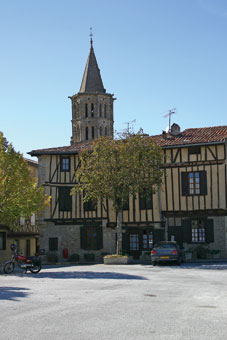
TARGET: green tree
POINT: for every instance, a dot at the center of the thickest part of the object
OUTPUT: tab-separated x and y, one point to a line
19	194
115	169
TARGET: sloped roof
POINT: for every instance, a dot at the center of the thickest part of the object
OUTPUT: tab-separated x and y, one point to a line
207	135
71	149
92	81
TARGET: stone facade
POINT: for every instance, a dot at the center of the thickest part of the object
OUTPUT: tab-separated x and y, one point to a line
92	116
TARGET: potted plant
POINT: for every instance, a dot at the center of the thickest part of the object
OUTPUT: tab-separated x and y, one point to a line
189	253
215	253
117	259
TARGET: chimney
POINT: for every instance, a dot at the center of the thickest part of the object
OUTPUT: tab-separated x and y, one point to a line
175	129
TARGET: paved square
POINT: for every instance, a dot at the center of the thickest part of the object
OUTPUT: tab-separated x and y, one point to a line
133	302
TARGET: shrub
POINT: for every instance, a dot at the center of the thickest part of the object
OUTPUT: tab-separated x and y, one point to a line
89	257
74	258
202	251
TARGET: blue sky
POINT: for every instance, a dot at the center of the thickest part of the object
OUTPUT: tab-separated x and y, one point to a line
154	55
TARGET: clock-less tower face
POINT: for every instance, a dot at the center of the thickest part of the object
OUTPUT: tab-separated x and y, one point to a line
92	107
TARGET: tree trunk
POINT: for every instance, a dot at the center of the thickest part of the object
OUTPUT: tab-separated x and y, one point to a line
119	232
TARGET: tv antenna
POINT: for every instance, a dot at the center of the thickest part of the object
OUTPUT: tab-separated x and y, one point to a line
169	114
130	125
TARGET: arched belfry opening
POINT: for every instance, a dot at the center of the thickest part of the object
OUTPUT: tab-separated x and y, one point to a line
92	106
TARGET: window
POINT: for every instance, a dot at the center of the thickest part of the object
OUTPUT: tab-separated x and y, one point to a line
65	163
90	205
93	132
86	132
65	199
100	110
147	239
105	131
145	201
134	242
53	243
194	183
198	231
92	110
91	237
100	131
86	111
2	240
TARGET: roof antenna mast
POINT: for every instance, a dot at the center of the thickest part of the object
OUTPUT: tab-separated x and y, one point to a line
170	113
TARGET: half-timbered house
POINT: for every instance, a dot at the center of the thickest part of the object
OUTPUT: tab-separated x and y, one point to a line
191	207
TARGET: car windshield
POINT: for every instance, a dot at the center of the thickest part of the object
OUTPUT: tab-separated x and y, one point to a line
166	245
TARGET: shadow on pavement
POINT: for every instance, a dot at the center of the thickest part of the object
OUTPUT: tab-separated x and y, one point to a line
207	266
13	293
82	275
201	266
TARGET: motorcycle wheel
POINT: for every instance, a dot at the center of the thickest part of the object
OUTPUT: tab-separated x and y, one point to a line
35	269
8	268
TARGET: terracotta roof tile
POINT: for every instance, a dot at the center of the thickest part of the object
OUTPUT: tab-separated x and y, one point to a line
71	149
214	134
206	135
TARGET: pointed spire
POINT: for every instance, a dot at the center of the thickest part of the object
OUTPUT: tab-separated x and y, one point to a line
92	81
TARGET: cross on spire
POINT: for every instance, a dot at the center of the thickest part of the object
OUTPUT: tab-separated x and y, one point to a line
91	35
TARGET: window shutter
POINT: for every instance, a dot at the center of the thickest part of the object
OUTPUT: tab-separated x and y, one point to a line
99	238
158	235
65	199
82	238
187	230
203	182
53	243
184	183
125	242
142	202
209	231
126	205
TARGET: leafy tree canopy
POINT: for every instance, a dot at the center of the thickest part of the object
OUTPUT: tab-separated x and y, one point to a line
19	194
116	169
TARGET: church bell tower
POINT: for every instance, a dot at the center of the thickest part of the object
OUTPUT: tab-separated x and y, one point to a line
92	107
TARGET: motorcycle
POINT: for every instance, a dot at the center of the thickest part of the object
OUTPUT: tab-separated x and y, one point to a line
32	263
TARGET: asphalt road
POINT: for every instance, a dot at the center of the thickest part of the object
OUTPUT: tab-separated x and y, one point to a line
133	302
